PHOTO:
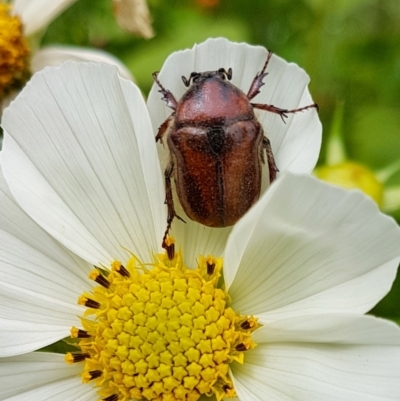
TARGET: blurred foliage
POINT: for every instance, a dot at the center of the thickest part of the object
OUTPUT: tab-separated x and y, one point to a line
350	49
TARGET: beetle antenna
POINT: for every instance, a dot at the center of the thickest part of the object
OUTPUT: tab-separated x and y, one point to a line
186	81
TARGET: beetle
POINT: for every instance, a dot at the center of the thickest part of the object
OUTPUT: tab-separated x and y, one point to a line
216	146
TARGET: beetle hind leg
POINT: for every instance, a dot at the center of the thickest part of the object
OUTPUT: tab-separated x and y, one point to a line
170	205
273	169
283	113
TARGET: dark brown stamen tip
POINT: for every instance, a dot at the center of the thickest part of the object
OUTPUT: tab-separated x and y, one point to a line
79	357
241	347
82	334
90	303
102	281
210	268
170	249
226	388
113	397
123	272
94	374
245	325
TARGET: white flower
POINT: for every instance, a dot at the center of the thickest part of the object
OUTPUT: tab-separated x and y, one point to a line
83	186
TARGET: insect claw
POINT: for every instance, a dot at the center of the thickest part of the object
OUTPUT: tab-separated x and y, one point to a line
283	116
180	218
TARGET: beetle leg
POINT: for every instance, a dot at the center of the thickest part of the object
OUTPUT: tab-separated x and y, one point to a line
258	79
167	95
169	201
282	112
164	128
273	169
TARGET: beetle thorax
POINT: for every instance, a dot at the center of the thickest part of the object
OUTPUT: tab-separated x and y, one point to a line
212	98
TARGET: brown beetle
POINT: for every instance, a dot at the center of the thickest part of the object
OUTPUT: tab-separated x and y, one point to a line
216	147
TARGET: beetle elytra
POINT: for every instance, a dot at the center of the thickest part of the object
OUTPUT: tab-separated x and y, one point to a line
216	146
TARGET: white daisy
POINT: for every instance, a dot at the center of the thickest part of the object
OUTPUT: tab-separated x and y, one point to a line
21	22
300	269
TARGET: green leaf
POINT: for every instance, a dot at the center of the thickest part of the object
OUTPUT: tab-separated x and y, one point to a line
60	347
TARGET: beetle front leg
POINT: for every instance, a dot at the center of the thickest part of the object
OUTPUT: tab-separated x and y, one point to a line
273	169
168	96
258	79
282	112
171	209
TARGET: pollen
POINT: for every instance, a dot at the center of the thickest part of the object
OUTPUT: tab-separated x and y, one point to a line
160	332
14	53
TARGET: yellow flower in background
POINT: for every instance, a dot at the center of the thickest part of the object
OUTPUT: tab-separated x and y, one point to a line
350	174
14	52
22	23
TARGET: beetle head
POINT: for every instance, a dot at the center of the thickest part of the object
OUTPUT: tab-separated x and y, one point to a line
197	76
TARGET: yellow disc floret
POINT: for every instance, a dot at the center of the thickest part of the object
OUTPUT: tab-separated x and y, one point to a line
161	332
14	53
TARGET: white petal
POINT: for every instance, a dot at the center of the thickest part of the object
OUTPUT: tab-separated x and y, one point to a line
40	282
80	159
55	55
330	358
307	247
295	144
196	239
37	14
42	377
335	328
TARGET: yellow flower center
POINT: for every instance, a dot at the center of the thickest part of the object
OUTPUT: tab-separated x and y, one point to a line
14	53
351	175
161	332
